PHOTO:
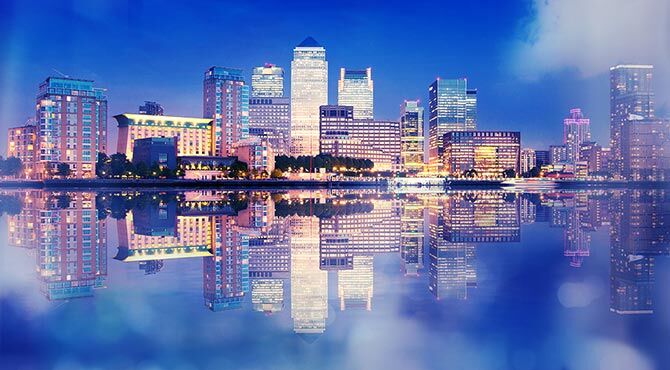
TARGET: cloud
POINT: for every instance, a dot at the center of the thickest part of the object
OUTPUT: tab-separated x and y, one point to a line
591	35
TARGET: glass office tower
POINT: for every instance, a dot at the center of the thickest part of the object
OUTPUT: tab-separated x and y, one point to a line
411	136
631	93
355	88
452	108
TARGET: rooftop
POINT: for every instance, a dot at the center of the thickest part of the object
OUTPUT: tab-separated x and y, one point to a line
309	42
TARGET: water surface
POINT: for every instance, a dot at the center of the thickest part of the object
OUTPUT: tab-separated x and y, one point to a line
335	280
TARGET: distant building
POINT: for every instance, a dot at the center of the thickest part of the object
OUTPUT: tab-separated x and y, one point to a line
645	149
453	107
411	136
226	102
631	94
595	156
267	82
489	153
257	154
558	154
344	136
576	130
309	91
528	160
270	118
156	150
22	144
356	88
542	157
151	108
71	118
193	135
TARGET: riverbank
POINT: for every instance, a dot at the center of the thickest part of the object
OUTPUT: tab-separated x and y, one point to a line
191	184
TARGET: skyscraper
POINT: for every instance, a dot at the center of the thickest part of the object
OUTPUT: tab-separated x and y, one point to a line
269	110
309	91
226	101
452	108
355	88
151	108
267	82
71	122
576	131
631	93
411	136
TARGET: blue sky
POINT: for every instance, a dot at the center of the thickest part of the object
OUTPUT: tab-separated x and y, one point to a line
531	60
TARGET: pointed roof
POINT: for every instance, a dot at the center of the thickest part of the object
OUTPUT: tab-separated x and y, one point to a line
309	42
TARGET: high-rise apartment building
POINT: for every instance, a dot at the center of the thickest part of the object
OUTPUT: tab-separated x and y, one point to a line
267	81
576	131
488	153
309	91
226	101
71	118
356	88
22	144
151	108
411	136
344	136
631	96
453	107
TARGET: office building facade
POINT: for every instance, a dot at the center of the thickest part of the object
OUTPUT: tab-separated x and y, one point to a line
356	88
411	136
631	96
309	91
452	107
645	149
270	119
267	81
342	135
488	153
226	102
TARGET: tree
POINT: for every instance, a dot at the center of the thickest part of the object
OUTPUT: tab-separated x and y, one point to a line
471	173
238	169
509	173
276	174
118	164
11	166
63	170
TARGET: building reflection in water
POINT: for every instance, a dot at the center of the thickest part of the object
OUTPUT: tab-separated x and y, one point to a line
261	247
69	244
639	234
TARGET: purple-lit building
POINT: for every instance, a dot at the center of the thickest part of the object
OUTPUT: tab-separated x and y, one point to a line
576	130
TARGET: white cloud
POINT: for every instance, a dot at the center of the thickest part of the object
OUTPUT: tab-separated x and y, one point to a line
592	35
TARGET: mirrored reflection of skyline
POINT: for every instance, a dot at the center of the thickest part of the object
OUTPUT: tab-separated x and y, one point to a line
312	254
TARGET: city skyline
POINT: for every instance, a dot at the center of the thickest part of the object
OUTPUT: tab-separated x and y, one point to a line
545	100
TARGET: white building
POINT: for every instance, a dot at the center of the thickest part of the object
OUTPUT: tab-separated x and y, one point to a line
355	88
309	91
